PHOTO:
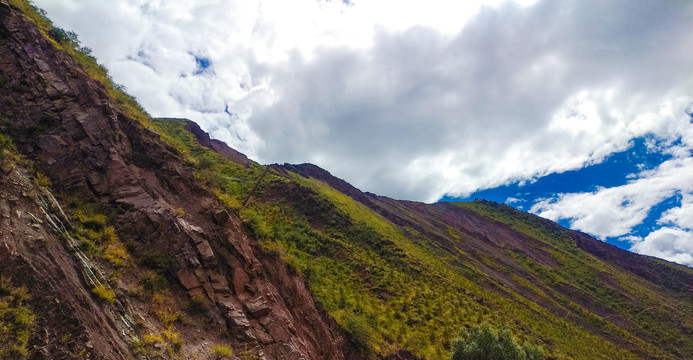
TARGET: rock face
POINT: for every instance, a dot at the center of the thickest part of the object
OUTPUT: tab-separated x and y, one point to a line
90	148
219	146
32	252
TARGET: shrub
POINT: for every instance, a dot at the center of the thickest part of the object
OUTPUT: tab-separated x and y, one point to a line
16	320
254	223
532	352
89	219
161	263
153	338
116	254
222	350
153	281
104	293
68	38
42	180
198	303
163	308
5	142
361	334
230	201
483	342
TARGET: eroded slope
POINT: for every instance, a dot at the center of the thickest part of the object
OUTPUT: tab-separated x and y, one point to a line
174	259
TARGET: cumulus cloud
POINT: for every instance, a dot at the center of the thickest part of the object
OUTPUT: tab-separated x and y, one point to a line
517	93
413	103
616	211
612	212
668	243
415	100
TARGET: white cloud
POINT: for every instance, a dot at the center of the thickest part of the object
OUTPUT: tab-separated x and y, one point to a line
611	212
668	243
417	99
615	211
681	216
407	99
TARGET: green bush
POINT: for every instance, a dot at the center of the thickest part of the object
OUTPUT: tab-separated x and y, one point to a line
532	352
43	180
483	342
153	281
104	293
254	223
5	142
16	320
222	350
360	332
64	37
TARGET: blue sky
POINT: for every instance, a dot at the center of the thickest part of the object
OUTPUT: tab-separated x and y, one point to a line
613	171
616	170
582	102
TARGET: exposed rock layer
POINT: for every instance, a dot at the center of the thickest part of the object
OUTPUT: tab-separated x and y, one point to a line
91	149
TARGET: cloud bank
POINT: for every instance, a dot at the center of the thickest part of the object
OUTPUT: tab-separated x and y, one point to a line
418	100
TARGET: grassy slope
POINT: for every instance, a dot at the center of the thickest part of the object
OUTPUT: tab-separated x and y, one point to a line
397	287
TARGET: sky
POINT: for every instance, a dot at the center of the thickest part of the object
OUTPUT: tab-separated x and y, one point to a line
577	111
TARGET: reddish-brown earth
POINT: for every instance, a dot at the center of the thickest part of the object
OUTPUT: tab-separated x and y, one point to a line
65	122
65	125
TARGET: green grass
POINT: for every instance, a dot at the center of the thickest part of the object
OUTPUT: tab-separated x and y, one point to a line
104	293
16	320
391	289
222	350
231	182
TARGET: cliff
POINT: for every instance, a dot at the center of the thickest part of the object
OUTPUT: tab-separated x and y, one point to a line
66	126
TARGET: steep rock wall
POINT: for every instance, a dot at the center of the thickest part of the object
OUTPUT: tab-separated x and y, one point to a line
90	149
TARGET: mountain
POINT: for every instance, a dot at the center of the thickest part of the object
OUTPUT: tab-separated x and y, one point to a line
123	236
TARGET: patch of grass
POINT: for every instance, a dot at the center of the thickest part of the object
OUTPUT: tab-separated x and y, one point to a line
222	350
166	337
153	281
163	308
116	254
198	304
89	219
43	180
6	143
104	293
16	320
153	338
360	332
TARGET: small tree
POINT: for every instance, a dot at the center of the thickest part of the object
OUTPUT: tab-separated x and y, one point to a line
483	342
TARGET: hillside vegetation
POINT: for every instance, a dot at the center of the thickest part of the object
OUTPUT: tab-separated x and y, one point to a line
166	248
413	285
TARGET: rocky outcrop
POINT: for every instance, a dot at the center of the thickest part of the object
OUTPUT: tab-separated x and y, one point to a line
91	149
32	253
218	146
